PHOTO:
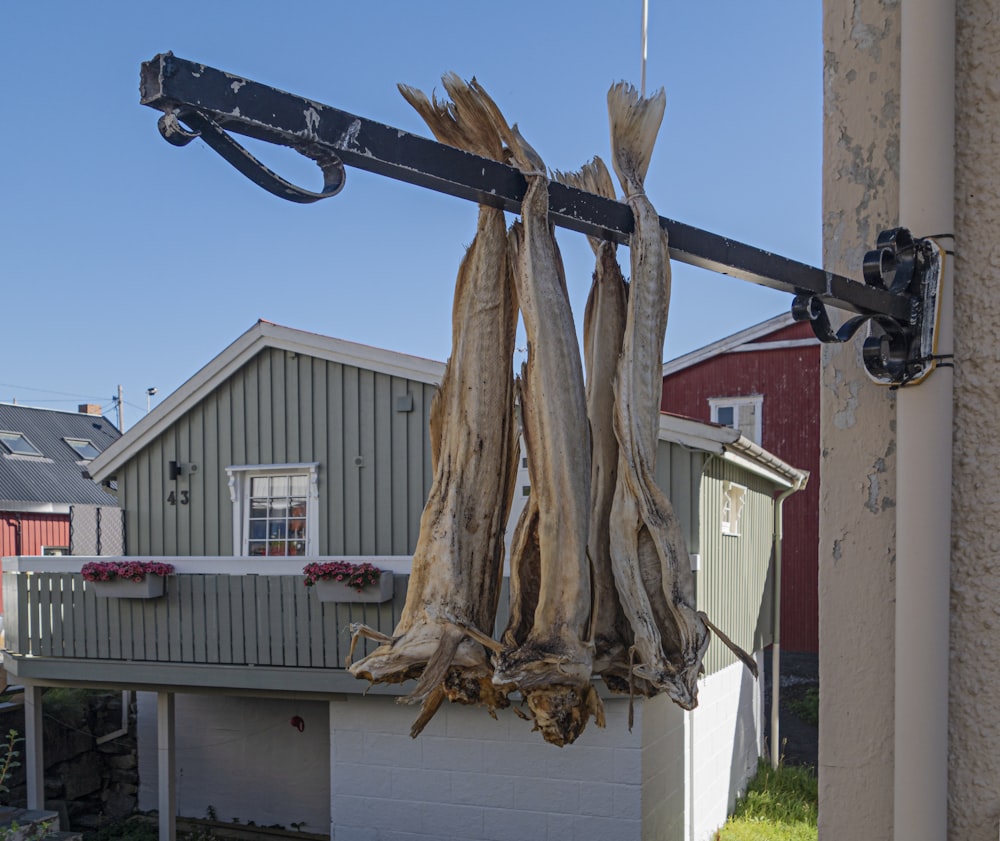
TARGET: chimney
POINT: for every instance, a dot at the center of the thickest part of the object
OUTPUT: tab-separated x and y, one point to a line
89	409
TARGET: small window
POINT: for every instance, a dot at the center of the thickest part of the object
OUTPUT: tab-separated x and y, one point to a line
733	499
274	509
744	414
18	444
55	551
83	448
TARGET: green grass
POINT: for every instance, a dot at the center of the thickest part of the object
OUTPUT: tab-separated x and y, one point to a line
779	806
807	707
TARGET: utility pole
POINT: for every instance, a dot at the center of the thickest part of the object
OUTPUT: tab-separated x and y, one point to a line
121	409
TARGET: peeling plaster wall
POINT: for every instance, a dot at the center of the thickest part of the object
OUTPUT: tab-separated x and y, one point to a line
857	423
974	703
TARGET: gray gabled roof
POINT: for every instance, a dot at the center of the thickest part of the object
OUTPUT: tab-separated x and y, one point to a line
263	334
29	482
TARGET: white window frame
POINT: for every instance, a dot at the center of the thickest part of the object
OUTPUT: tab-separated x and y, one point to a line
734	498
754	400
239	492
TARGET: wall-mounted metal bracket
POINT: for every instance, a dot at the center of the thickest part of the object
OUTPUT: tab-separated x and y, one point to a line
213	103
896	352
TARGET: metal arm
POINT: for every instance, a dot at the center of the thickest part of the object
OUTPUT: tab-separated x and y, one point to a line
212	102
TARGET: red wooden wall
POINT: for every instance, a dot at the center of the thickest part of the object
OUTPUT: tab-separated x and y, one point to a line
789	380
37	530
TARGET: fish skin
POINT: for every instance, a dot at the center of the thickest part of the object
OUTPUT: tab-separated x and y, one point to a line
457	570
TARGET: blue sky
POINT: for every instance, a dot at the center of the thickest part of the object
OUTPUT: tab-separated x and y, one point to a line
128	261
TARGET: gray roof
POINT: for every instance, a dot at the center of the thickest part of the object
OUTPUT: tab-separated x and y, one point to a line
57	475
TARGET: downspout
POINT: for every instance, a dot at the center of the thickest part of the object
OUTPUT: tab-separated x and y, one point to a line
924	437
776	620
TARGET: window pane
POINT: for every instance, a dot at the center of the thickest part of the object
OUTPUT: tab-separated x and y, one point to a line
278	508
279	486
748	421
276	547
299	486
258	529
258	508
258	486
297	528
257	547
276	529
17	443
725	415
84	448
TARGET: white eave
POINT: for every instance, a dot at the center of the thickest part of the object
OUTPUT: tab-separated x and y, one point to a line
262	335
744	341
732	447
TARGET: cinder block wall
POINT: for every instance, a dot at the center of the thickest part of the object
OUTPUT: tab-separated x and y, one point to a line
468	776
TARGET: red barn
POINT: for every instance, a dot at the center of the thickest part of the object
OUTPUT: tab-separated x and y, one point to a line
765	382
43	476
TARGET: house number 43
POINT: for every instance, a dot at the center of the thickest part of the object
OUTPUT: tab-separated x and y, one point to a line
183	498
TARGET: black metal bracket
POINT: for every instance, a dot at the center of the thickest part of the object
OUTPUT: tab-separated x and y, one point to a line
213	103
896	352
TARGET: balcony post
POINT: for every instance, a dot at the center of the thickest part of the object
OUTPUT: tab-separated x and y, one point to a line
33	749
165	766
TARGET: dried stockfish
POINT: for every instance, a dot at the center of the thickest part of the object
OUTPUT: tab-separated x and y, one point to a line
444	630
603	331
649	553
547	650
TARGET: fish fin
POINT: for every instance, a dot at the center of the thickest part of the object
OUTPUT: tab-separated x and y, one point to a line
748	661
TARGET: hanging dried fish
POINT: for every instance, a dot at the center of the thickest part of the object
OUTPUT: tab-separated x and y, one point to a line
603	331
649	553
457	570
547	649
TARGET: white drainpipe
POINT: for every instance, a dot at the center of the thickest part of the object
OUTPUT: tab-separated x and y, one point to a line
924	437
776	621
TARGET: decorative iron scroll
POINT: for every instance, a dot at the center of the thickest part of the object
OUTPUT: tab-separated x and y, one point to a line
896	352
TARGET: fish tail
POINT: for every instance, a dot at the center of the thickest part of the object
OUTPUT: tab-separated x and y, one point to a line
592	177
635	121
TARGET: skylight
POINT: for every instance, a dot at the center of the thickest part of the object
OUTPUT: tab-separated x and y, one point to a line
83	447
18	444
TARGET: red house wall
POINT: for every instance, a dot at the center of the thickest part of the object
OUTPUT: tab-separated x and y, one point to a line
37	530
789	380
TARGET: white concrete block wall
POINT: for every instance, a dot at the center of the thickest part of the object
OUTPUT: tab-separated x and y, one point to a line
665	762
725	739
470	777
242	758
467	776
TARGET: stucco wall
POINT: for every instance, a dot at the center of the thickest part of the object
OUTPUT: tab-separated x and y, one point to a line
974	704
242	759
857	469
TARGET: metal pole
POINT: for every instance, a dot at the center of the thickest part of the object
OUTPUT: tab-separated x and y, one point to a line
121	409
924	437
645	29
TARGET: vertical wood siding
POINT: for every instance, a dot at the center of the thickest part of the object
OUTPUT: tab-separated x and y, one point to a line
678	473
735	583
790	382
282	407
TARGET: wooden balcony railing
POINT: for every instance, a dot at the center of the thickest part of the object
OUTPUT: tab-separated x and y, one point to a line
225	623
